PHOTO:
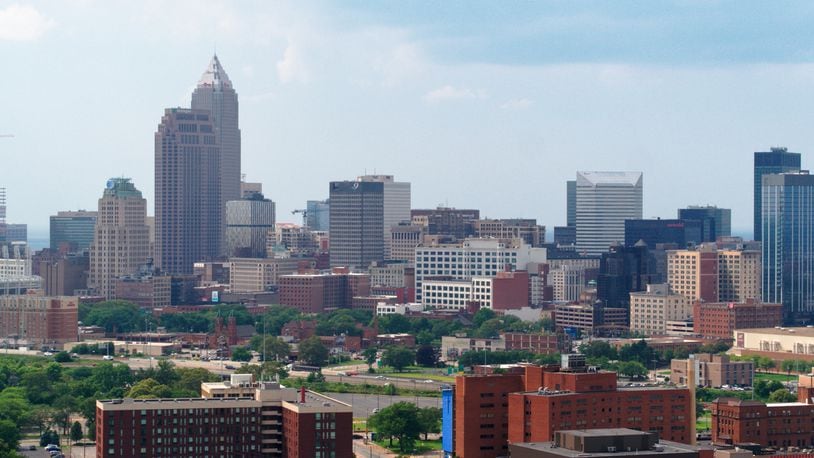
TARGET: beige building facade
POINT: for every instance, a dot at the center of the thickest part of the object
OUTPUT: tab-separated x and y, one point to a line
121	241
653	310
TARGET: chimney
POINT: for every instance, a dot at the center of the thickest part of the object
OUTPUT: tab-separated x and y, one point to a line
302	395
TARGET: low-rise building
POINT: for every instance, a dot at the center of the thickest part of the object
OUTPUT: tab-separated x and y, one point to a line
147	291
719	319
782	424
712	371
651	310
504	291
39	319
262	274
777	343
491	413
235	418
320	292
589	319
606	443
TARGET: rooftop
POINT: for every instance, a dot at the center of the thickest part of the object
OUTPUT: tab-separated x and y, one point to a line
215	76
782	331
609	178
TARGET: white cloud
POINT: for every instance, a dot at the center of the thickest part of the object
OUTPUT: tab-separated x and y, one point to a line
448	92
517	104
292	67
22	23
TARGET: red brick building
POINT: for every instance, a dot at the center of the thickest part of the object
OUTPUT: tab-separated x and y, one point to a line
537	343
318	292
234	418
783	424
299	330
493	411
736	421
510	290
39	319
719	319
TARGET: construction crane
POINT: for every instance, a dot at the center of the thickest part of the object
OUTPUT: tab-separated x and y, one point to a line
304	216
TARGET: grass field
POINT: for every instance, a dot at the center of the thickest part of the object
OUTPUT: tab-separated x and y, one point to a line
420	446
772	376
420	376
703	423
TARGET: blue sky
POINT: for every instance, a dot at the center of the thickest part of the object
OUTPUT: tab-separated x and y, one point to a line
492	105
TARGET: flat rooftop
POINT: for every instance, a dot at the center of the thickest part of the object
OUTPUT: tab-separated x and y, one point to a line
781	331
549	448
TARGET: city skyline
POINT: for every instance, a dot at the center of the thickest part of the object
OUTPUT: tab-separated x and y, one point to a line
536	91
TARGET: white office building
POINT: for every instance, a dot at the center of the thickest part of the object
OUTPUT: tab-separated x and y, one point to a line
472	258
604	201
396	205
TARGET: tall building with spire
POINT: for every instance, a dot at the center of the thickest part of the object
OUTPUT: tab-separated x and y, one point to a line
189	209
216	94
121	241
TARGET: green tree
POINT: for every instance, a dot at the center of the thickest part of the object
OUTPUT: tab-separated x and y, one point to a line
241	354
489	329
426	356
399	421
370	354
312	351
114	316
76	431
430	420
165	373
394	324
632	369
62	357
398	357
598	349
274	348
424	337
782	395
49	437
149	388
483	315
9	434
190	379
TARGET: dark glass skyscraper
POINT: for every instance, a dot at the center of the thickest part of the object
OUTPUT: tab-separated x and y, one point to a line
356	223
188	206
655	231
716	222
216	94
777	160
788	243
72	231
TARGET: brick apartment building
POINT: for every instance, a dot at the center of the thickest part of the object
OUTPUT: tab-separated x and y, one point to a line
712	370
234	418
784	424
530	403
321	292
39	319
719	319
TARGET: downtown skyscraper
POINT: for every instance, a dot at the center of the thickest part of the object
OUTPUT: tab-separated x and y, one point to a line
788	243
121	240
189	209
356	223
216	94
604	200
776	160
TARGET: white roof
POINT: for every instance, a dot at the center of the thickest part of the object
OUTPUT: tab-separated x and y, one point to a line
215	75
600	178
